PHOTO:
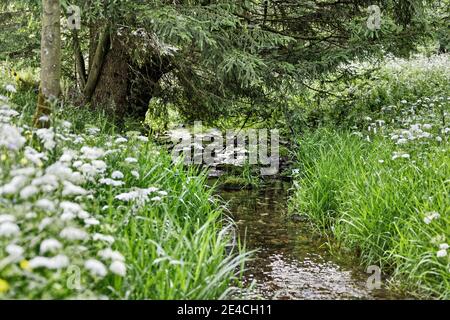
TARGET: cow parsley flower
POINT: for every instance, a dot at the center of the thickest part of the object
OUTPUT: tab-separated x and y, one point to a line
9	229
131	160
45	222
45	204
14	185
91	153
96	268
47	137
111	254
441	253
72	190
72	233
121	140
7	218
57	262
111	182
99	165
10	88
91	222
10	137
49	245
117	175
137	194
102	237
430	216
15	252
135	174
119	268
28	192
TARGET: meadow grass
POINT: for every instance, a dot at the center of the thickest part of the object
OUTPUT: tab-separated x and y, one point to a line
380	207
378	182
108	214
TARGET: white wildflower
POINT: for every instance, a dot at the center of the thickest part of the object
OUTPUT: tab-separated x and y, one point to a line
45	204
10	88
15	252
67	156
131	160
92	130
119	268
34	156
77	164
117	175
72	190
49	245
135	174
9	229
441	253
91	222
47	137
7	218
111	254
28	192
99	165
137	194
45	222
47	182
96	267
430	216
57	262
28	171
10	137
14	185
88	170
102	237
91	153
142	138
111	182
72	233
121	140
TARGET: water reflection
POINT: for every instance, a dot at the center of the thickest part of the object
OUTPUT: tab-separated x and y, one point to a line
291	263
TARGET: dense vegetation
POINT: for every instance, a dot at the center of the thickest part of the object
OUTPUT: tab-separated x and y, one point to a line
91	204
382	188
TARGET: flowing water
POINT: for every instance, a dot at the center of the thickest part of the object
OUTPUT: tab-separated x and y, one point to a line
291	262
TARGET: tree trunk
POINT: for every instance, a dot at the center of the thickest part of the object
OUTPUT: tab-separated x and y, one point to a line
50	59
79	61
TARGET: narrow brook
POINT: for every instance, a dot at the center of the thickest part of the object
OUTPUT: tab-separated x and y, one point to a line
291	262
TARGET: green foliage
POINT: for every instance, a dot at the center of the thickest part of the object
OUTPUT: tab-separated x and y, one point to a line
361	90
376	206
233	58
175	244
381	189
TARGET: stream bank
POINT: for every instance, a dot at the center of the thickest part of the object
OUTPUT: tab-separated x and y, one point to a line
291	262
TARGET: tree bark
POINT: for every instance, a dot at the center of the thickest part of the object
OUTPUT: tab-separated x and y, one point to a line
50	59
97	63
79	60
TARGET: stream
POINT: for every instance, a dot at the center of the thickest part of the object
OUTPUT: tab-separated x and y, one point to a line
291	262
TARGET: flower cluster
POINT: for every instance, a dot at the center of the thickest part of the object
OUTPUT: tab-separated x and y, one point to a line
50	223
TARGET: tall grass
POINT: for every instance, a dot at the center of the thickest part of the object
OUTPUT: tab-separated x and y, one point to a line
375	205
175	244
